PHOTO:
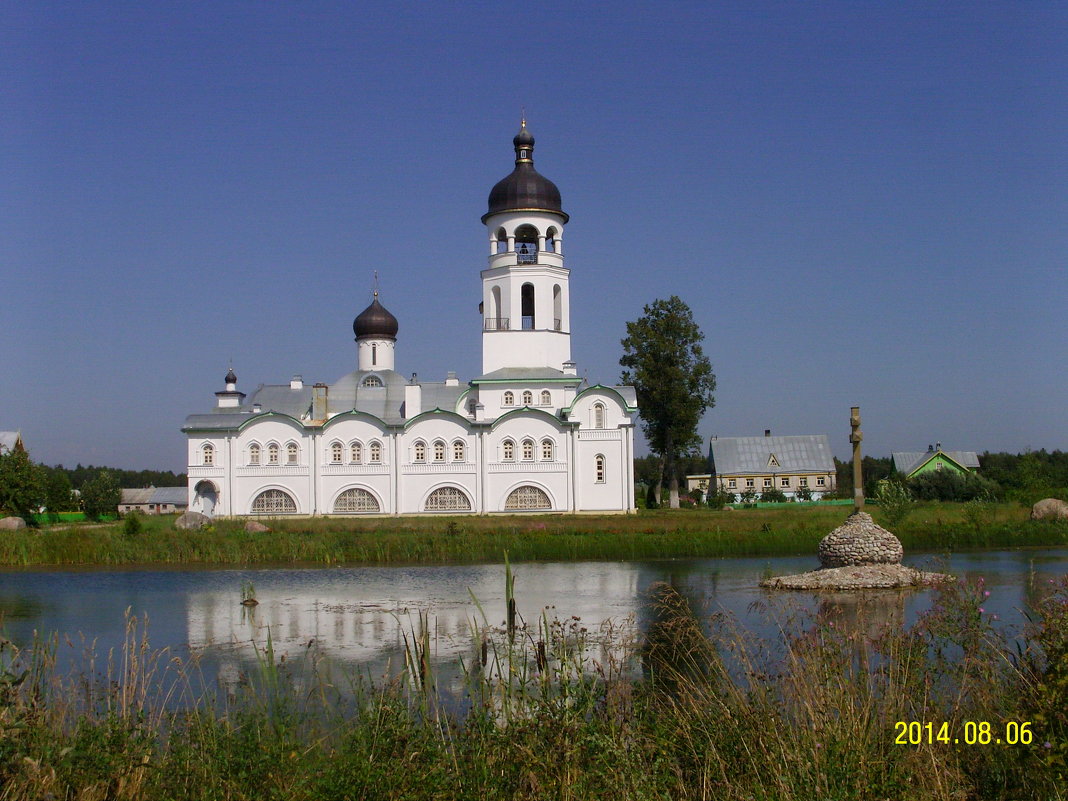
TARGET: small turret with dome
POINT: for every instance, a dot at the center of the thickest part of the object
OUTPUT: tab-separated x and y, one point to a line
525	189
376	336
229	397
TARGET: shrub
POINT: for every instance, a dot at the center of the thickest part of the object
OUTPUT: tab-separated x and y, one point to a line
132	525
949	485
803	494
650	498
895	501
773	495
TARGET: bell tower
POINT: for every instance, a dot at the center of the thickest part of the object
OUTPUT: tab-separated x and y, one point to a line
525	297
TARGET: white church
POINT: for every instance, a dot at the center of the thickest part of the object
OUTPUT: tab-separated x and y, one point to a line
525	436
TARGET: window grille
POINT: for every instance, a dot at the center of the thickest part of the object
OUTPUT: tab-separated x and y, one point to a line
599	469
372	381
527	498
447	499
274	502
355	500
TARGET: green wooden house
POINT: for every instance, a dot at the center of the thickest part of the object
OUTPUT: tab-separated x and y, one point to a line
915	463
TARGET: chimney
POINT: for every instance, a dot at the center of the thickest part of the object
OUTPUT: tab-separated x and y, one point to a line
296	382
320	405
938	446
569	368
413	398
451	380
767	432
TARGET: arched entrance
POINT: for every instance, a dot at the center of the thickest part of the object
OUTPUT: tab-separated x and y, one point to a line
205	498
527	498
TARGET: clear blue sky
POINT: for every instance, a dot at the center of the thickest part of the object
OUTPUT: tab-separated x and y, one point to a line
863	203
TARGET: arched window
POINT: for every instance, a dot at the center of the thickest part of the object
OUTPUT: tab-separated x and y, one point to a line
526	302
528	450
527	498
546	398
254	453
526	244
355	501
372	381
508	450
558	309
550	240
272	453
598	415
528	398
419	451
274	502
495	321
447	499
501	238
509	398
546	450
375	449
355	453
335	452
439	451
207	454
598	468
458	451
374	355
292	453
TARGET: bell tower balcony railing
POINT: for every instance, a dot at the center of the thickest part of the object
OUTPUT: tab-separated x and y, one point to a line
496	324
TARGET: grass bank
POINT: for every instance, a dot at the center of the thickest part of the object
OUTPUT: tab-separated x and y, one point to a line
849	711
648	534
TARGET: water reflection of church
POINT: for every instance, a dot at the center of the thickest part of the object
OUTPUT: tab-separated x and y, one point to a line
526	435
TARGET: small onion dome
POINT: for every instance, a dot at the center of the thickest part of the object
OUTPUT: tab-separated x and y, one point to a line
230	377
525	189
375	322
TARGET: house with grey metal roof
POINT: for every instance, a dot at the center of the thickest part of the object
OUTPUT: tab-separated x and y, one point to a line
155	500
797	466
9	440
914	463
527	435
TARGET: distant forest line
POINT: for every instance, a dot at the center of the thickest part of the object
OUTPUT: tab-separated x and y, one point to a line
128	479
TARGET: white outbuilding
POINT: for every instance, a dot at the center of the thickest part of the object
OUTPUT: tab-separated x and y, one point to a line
525	436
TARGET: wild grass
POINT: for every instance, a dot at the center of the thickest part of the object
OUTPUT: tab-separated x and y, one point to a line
931	527
693	710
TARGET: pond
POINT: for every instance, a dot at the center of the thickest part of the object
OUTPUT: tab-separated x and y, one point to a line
358	617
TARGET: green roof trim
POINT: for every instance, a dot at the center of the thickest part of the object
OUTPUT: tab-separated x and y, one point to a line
437	412
601	387
531	410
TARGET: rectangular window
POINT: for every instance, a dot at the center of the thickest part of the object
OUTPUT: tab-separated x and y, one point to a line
750	483
803	481
784	481
767	483
732	483
820	481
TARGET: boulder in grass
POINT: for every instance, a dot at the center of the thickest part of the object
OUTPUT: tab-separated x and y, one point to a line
255	527
192	521
1050	509
12	524
859	541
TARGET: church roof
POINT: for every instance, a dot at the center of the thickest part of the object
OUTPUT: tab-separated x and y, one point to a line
525	189
375	322
506	374
810	453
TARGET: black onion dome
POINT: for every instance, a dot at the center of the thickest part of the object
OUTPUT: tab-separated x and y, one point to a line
525	189
375	322
230	377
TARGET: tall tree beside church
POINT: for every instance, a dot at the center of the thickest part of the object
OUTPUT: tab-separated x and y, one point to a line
673	378
22	487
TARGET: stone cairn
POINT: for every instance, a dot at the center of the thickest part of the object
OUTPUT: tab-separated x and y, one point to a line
859	554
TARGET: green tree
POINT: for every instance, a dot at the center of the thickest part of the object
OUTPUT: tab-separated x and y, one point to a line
101	495
59	496
663	360
22	488
895	501
773	495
